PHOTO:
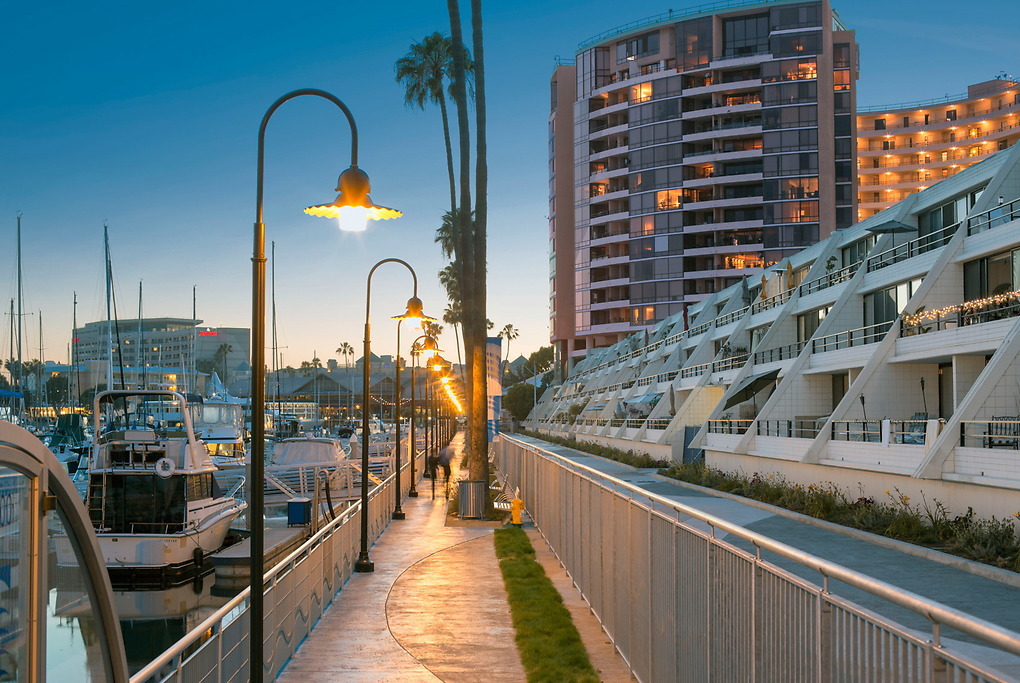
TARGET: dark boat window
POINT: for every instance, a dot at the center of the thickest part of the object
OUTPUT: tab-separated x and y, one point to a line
200	486
137	503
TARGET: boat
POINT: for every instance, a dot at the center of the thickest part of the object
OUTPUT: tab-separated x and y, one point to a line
71	439
151	495
219	422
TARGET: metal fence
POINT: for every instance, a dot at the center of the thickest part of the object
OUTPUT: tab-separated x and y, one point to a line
297	592
682	604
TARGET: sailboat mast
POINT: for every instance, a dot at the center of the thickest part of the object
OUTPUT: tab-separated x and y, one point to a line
21	300
140	354
109	311
276	347
74	352
39	369
194	339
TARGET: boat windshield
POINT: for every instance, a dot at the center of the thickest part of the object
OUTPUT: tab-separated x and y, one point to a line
137	412
217	415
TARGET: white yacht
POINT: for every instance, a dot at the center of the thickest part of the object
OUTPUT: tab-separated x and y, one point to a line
220	425
151	493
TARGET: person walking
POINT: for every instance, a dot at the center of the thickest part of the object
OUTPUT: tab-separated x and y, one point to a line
431	464
445	458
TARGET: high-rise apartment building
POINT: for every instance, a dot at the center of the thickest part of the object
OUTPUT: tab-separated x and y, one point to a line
689	150
904	148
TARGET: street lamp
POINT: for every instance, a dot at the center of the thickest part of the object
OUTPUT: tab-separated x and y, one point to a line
427	348
414	312
354	188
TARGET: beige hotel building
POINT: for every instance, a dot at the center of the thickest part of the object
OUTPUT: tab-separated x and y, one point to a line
904	148
689	150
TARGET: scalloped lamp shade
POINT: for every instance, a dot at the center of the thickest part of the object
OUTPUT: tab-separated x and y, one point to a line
353	208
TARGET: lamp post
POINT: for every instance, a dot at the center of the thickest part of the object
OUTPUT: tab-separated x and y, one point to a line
427	348
353	187
414	312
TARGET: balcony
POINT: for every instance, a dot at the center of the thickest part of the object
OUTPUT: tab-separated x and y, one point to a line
829	279
975	312
851	338
1000	215
915	247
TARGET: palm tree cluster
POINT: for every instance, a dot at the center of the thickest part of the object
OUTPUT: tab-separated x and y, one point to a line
433	67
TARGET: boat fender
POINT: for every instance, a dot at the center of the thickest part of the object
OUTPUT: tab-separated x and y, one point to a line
199	559
165	467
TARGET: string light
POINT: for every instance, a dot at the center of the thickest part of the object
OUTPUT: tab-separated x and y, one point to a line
966	307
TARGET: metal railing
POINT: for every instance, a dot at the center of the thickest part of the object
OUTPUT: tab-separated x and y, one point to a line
730	363
700	329
728	426
915	247
801	429
682	603
298	589
998	307
857	430
849	338
784	352
696	370
999	432
772	301
731	317
658	423
1000	215
829	279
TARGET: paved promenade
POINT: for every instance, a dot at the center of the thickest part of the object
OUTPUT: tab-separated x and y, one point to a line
986	593
434	609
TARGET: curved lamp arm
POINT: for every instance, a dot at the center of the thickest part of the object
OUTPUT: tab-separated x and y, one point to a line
265	121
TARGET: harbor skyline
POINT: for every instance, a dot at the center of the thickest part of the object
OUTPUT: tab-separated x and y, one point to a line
152	130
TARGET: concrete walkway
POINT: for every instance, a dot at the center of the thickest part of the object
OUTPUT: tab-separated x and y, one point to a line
983	592
434	609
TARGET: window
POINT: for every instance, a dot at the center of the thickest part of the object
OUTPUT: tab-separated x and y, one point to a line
841	56
791	212
879	124
641	46
792	188
789	93
797	44
842	124
790	140
790	117
841	80
805	163
884	305
745	35
906	121
997	274
796	16
809	322
694	44
789	70
950	115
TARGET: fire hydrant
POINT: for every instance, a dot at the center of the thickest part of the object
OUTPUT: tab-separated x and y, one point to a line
516	509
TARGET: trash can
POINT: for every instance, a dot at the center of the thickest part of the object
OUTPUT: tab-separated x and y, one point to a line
299	512
472	499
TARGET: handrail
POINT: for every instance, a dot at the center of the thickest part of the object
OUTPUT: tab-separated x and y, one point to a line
829	279
915	247
210	623
934	611
999	215
850	338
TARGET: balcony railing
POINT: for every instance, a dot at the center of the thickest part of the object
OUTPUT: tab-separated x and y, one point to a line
829	279
731	317
800	429
999	432
1000	215
772	301
915	247
729	363
998	307
857	430
728	426
849	338
696	370
784	352
700	329
658	423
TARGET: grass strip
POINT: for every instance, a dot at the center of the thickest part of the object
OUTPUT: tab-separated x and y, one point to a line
550	646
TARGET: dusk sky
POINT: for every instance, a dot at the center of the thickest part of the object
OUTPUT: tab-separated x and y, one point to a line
145	115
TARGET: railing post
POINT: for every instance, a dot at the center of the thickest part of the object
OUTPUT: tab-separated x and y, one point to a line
824	632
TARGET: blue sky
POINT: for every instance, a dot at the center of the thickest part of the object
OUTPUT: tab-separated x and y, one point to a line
145	116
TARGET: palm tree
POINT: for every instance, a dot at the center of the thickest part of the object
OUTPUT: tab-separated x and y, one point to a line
451	316
509	332
221	358
424	71
347	351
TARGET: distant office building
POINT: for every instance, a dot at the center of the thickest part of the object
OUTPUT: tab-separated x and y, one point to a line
182	344
688	151
905	148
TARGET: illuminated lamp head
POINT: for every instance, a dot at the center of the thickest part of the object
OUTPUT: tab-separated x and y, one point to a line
353	208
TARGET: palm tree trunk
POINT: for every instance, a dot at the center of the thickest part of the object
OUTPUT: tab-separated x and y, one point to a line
449	152
479	466
473	315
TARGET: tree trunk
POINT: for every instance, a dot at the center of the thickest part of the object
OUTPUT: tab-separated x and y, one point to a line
463	226
479	466
449	155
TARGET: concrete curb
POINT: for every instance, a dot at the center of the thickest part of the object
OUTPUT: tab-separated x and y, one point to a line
971	567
